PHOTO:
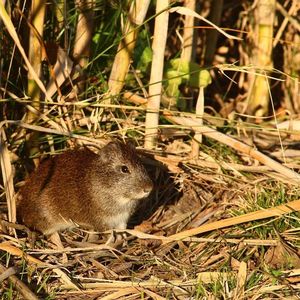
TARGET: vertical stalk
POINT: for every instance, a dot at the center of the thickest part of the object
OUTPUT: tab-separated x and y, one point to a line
38	8
212	35
155	85
258	98
84	31
199	114
83	41
7	176
188	32
126	47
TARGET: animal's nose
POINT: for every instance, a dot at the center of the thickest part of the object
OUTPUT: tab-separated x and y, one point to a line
148	188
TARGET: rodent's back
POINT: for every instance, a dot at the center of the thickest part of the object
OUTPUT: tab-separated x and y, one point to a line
95	190
55	188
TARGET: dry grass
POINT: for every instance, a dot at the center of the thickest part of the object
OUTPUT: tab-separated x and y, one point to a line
254	260
222	225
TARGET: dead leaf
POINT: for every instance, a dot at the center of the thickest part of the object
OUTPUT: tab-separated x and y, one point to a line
282	257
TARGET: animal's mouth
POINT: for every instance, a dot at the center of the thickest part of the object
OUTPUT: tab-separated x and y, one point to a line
141	195
138	194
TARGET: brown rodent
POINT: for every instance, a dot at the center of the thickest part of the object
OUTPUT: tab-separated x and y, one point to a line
99	191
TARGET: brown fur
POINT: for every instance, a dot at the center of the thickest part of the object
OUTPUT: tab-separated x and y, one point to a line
81	187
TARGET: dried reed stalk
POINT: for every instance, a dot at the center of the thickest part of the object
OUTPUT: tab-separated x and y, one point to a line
7	176
37	16
37	13
158	47
277	211
58	131
239	291
258	98
84	31
188	33
187	55
122	59
199	113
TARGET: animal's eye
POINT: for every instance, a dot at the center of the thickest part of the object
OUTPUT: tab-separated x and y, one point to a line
124	169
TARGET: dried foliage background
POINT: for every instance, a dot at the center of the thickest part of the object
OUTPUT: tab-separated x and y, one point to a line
209	92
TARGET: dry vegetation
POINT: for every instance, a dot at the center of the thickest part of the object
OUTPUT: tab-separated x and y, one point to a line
214	109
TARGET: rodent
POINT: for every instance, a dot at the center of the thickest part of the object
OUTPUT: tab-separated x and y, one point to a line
99	191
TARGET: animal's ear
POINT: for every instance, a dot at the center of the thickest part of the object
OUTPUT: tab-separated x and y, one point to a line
111	146
130	144
110	149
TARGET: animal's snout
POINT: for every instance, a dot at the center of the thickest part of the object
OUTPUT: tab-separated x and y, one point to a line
148	188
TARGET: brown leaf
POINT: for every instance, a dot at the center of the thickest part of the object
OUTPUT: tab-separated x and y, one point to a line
282	257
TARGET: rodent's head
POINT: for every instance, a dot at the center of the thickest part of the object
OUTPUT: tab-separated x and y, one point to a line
121	172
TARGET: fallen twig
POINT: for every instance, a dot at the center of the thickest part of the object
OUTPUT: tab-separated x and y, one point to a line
276	211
